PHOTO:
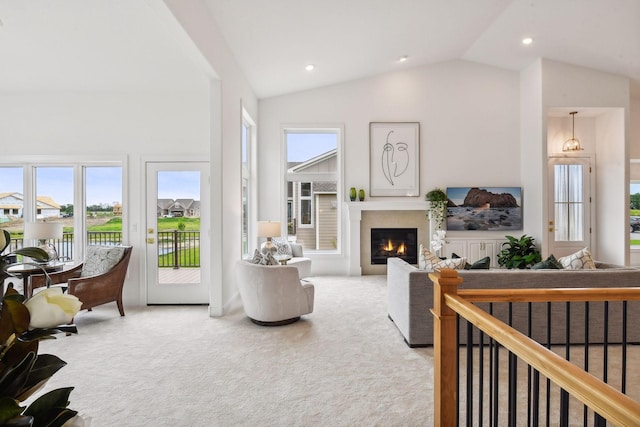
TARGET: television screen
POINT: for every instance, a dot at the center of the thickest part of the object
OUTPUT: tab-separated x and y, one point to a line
484	208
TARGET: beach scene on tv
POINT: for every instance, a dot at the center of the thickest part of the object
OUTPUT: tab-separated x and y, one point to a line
484	208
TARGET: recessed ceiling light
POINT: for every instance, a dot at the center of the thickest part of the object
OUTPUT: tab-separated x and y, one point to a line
310	67
403	58
527	40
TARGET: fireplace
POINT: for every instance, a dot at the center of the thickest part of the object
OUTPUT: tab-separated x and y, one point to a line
394	242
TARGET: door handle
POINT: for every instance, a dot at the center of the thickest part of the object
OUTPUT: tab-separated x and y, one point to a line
150	240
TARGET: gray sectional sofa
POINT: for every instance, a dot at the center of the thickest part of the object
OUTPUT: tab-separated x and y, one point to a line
410	299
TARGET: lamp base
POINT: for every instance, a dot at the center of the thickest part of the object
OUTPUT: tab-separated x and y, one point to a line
269	247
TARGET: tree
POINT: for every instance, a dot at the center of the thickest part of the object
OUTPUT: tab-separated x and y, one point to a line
635	201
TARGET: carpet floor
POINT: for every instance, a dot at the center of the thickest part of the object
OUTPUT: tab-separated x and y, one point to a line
343	365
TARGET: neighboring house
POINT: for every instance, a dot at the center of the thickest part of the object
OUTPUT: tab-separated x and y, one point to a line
11	206
117	209
312	205
178	208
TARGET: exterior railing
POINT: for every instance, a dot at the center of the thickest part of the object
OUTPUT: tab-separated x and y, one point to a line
175	248
452	305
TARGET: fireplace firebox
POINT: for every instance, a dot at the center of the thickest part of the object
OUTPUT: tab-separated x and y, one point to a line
394	242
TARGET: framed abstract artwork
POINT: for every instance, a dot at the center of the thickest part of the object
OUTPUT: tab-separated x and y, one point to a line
394	159
484	208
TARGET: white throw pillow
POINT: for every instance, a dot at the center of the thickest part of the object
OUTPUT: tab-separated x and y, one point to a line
580	260
427	259
282	246
453	263
100	259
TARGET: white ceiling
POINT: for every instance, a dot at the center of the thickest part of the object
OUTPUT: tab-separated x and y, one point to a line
127	45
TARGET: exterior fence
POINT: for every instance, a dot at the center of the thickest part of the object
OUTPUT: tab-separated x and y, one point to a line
175	248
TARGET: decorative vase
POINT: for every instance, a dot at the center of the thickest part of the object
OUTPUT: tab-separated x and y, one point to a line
352	194
361	195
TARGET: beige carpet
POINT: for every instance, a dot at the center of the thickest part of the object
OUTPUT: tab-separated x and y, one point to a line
343	365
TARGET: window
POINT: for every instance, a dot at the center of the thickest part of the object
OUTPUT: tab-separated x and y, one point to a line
86	198
569	203
634	204
247	142
313	187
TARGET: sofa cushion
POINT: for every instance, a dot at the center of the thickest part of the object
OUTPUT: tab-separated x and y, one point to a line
282	246
550	263
100	259
453	263
481	264
580	260
428	259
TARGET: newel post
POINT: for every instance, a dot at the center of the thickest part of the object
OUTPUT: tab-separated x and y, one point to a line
445	350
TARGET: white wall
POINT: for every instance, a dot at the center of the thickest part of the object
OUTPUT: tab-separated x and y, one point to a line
140	125
117	125
565	85
469	130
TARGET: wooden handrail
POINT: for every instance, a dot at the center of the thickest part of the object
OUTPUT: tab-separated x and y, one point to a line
550	294
616	407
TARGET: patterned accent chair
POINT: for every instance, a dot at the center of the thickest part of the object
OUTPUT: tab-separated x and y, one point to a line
98	280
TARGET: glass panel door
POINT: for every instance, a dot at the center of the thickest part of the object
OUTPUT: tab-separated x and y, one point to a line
177	233
569	216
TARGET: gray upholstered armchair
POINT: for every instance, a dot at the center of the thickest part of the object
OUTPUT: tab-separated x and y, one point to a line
273	295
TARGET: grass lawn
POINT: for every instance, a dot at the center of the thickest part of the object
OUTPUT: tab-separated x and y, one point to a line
164	224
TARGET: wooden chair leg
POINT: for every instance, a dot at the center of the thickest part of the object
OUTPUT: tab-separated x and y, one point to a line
120	306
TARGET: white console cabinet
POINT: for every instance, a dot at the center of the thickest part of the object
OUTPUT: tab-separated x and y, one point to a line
474	249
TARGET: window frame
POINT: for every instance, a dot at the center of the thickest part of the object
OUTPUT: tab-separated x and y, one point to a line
29	166
337	176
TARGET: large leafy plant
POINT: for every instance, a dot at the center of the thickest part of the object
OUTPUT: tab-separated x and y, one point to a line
23	324
437	205
519	253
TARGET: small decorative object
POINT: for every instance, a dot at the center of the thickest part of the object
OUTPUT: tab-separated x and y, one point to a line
352	194
394	159
438	241
519	253
361	195
437	207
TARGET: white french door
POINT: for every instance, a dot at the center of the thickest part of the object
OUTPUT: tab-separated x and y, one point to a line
177	232
569	205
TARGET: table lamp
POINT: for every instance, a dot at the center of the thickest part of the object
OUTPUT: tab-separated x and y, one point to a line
42	232
268	229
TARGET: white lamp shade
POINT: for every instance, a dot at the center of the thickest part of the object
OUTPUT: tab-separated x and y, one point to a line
268	228
42	230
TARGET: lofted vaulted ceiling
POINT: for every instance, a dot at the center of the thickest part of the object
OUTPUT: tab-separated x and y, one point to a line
126	45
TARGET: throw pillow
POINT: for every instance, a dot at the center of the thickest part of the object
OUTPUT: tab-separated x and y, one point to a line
282	246
481	264
549	263
257	257
269	259
453	263
428	259
580	260
100	259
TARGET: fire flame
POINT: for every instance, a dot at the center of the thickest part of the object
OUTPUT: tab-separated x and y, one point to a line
402	249
388	247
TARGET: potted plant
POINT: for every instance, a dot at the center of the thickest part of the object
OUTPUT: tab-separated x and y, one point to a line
437	208
519	253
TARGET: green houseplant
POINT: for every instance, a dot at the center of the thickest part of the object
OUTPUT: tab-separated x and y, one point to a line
437	206
519	253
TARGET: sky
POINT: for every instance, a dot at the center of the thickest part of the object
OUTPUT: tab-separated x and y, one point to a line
305	146
104	184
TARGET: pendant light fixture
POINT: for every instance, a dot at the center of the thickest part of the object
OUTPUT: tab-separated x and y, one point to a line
572	144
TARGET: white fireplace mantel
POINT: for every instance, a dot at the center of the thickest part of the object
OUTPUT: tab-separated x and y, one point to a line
354	213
